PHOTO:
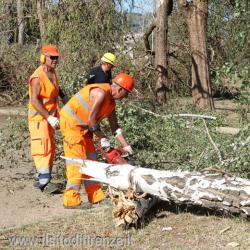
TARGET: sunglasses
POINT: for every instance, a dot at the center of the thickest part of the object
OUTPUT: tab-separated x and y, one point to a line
53	58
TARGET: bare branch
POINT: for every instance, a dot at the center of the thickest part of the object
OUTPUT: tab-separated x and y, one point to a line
213	143
175	115
146	36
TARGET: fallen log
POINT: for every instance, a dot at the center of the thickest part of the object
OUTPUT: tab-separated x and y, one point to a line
211	190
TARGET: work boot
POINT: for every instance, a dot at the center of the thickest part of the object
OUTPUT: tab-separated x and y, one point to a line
83	205
51	188
36	184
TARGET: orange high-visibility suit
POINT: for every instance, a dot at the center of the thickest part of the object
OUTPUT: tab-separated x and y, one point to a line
41	133
78	142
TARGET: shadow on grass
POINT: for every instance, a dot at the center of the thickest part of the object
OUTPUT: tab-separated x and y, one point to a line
163	208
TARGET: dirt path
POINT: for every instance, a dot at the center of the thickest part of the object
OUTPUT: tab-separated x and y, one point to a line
21	204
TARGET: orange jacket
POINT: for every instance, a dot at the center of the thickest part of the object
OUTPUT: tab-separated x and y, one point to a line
48	95
77	109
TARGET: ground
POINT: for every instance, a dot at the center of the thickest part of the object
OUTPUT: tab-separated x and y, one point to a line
31	219
18	190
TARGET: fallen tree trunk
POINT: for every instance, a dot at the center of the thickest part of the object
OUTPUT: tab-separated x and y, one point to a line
215	191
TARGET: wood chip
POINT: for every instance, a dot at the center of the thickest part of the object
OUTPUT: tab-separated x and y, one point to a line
224	230
164	229
233	244
11	191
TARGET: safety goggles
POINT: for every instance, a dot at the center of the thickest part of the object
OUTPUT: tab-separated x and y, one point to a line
53	58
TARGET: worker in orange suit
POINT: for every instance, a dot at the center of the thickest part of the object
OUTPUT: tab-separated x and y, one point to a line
79	121
43	116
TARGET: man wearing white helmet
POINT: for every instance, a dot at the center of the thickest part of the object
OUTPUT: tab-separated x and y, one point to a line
102	73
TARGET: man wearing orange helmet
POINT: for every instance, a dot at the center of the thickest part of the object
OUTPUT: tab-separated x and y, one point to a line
79	121
103	72
43	116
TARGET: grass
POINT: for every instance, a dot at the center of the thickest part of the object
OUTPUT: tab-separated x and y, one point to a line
188	232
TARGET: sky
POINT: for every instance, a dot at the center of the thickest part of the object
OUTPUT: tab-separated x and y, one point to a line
140	6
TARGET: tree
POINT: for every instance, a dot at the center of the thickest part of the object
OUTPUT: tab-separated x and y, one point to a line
41	18
160	24
196	14
7	21
20	21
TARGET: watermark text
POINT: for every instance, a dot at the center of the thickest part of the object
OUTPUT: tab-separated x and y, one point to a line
70	240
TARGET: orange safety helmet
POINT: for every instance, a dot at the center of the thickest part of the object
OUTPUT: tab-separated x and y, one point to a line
125	81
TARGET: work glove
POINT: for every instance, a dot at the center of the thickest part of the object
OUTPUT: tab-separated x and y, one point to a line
128	149
53	121
105	143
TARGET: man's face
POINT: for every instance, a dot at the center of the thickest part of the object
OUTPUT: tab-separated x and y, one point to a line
51	61
120	94
107	67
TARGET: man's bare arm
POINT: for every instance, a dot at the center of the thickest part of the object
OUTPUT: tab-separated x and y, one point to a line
97	97
113	122
115	128
63	96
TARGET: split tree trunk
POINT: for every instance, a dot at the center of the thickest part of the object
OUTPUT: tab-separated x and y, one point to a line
214	191
196	17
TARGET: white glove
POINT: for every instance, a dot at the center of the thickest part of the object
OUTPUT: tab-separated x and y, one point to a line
53	121
105	143
128	149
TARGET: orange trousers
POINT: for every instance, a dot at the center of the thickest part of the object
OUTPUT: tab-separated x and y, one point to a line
42	144
77	144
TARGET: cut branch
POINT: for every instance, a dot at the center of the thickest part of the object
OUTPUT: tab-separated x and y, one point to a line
175	115
213	143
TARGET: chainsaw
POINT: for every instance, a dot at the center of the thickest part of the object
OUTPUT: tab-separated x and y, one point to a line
115	155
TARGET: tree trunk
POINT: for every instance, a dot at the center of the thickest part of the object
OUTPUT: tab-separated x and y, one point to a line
41	18
8	12
160	24
214	191
196	17
20	21
161	87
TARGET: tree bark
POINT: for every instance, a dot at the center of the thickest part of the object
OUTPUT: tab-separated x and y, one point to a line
161	87
146	36
210	190
160	24
196	17
20	21
41	18
8	32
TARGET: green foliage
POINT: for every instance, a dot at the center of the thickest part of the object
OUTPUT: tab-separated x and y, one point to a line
16	68
183	143
238	157
159	141
228	32
84	31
